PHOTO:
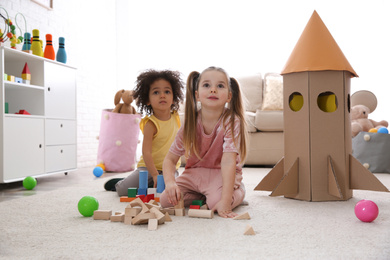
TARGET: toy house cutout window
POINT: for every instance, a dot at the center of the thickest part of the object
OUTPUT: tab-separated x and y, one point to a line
295	101
327	102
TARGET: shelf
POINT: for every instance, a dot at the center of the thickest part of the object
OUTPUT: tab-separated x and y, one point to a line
22	116
10	85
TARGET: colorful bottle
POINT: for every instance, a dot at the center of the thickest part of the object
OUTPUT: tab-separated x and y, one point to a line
26	42
36	45
49	50
61	53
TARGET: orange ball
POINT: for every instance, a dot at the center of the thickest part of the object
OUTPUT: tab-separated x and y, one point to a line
373	130
101	165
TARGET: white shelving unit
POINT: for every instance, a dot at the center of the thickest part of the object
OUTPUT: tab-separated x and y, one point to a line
45	141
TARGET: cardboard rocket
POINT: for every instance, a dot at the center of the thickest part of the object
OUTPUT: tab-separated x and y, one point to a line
318	164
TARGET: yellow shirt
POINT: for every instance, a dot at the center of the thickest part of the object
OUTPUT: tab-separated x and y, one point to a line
162	140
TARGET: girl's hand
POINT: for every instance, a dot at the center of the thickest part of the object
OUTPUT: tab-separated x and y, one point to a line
173	192
154	181
224	209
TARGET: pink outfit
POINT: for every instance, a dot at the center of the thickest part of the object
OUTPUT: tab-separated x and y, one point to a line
202	178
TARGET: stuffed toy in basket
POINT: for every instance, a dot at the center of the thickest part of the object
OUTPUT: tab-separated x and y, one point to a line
118	138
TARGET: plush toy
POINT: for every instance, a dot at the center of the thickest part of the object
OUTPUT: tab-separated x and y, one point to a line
360	121
125	107
363	103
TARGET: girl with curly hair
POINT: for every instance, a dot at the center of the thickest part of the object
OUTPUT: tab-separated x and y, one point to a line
158	94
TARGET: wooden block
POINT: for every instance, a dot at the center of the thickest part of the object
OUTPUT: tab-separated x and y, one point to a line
152	224
102	214
167	217
196	213
118	217
197	202
171	211
180	212
242	216
132	212
157	199
140	203
142	218
194	207
126	199
249	230
132	192
180	204
152	191
149	205
159	216
148	198
204	207
128	220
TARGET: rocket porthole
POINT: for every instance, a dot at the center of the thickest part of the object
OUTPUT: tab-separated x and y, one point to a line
295	101
327	102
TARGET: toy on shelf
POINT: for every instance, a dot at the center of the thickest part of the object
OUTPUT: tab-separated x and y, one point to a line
125	107
9	30
363	103
61	53
49	50
27	43
23	112
26	75
36	45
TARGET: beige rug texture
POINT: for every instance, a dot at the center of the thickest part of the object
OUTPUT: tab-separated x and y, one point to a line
47	225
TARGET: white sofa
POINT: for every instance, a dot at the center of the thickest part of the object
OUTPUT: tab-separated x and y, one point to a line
264	111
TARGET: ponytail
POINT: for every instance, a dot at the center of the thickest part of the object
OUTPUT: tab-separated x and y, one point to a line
191	116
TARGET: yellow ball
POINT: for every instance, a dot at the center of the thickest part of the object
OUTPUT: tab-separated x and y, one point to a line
101	165
373	130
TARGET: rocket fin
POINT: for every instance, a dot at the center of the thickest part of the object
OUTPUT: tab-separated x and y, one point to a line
288	185
333	185
271	180
361	178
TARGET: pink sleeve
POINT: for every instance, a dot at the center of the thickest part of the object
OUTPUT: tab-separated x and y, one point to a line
228	144
177	146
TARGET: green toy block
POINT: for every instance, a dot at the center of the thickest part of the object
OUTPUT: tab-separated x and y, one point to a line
6	108
5	76
132	192
197	202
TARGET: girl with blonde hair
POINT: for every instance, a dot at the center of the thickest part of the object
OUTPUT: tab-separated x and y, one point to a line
213	140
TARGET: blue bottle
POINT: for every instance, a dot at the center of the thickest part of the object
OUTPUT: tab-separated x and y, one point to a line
27	42
61	53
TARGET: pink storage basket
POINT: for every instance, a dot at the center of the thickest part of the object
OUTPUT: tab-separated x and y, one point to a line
118	141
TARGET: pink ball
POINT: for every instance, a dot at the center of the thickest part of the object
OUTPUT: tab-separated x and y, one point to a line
366	210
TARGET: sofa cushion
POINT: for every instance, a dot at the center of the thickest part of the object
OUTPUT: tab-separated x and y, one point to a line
269	121
252	90
273	92
250	121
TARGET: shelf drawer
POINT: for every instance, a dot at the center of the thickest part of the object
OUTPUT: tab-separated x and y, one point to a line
60	132
60	158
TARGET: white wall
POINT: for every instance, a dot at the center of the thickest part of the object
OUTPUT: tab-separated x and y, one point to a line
243	37
252	36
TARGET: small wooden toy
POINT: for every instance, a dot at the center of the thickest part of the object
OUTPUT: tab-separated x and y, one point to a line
36	46
197	202
132	192
194	207
11	78
118	217
49	52
26	43
242	216
26	75
126	199
249	230
196	213
152	224
180	212
160	184
142	218
102	214
61	53
167	217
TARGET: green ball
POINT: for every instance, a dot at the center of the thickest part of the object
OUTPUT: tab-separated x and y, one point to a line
29	183
87	205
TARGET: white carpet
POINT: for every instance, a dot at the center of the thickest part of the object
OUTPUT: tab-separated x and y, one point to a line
47	225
